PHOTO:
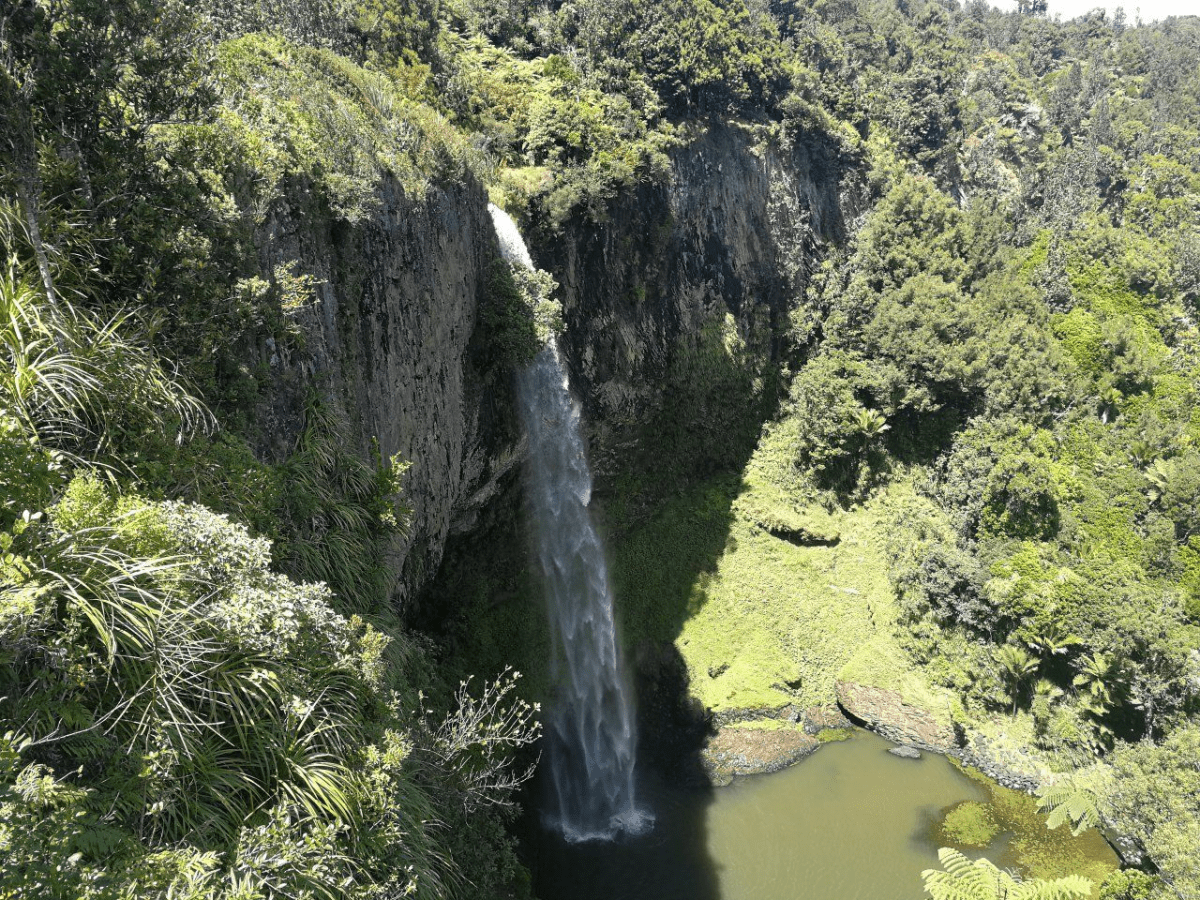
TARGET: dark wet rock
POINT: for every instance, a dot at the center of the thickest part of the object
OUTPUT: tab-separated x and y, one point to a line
396	343
788	712
1013	767
803	537
393	346
1127	847
670	261
905	752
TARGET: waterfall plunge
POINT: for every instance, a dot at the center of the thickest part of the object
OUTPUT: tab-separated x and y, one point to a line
590	734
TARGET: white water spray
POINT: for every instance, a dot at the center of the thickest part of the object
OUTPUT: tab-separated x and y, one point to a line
590	736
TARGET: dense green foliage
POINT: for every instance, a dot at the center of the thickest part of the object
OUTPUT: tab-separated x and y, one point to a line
991	399
1014	327
181	717
963	879
181	720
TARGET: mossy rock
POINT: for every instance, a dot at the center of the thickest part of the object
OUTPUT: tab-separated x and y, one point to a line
834	735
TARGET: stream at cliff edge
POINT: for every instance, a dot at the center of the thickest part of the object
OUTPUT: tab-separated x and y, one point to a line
852	822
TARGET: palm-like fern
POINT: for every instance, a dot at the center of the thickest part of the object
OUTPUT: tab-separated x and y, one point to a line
1017	666
191	729
870	423
1159	475
964	879
1100	677
1068	804
1110	403
1076	799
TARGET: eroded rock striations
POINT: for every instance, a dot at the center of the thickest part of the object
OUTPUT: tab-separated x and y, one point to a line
393	343
886	713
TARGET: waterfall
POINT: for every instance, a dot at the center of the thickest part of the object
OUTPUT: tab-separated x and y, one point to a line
512	245
590	733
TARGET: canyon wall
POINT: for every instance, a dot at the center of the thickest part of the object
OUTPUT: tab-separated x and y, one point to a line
394	341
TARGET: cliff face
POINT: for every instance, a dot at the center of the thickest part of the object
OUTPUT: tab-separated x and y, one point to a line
394	340
392	343
727	245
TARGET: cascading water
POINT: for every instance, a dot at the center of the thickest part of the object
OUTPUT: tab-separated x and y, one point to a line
590	735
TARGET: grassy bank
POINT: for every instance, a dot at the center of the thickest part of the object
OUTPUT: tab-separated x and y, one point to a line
768	596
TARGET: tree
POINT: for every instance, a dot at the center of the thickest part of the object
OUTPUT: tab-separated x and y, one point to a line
1019	497
837	434
19	28
1154	798
1174	487
1017	666
927	329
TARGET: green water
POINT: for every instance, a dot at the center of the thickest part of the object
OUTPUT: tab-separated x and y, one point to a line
851	822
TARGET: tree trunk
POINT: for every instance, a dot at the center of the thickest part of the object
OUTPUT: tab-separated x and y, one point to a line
22	151
27	195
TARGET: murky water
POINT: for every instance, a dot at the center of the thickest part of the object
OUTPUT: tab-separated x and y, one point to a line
852	822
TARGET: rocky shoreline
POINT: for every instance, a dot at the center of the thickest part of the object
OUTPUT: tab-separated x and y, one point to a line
762	741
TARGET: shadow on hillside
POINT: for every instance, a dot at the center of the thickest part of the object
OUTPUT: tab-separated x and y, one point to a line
919	438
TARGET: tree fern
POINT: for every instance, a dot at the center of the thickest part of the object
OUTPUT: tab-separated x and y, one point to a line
964	879
1075	799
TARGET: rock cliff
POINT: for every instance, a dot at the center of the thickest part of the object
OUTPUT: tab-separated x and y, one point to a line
730	238
394	340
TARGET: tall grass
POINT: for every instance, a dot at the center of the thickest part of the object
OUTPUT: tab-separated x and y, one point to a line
80	382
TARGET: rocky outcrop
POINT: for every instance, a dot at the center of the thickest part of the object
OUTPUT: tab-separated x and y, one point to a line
822	718
747	750
886	713
760	741
728	243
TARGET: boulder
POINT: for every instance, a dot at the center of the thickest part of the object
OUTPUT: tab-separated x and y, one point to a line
754	751
887	713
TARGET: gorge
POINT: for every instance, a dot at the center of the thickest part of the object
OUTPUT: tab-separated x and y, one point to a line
346	554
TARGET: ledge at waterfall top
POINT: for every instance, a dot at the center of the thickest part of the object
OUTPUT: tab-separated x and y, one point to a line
591	739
